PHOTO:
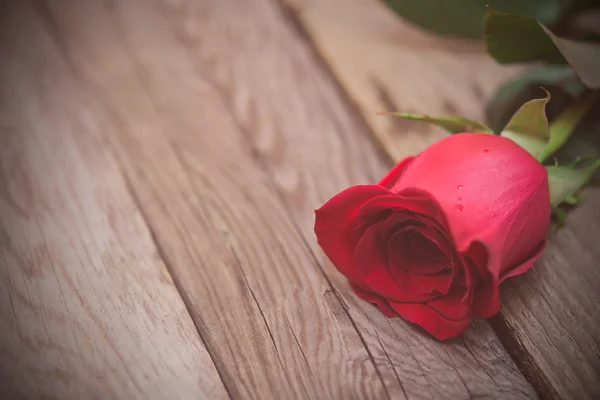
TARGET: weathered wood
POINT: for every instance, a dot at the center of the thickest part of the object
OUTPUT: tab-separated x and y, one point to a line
262	149
88	309
550	316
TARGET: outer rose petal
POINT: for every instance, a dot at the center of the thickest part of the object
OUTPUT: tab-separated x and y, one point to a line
523	267
379	301
395	173
451	307
487	297
433	322
336	230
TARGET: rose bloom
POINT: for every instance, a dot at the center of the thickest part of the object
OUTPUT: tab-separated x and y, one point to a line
433	240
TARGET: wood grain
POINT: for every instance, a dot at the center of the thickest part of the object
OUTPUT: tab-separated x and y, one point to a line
550	316
88	309
299	143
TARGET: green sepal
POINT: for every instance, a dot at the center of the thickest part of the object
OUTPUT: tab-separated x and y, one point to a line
449	123
573	200
504	101
560	216
563	126
566	181
529	127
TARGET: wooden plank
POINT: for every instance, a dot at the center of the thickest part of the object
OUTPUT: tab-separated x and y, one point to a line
88	309
211	71
549	320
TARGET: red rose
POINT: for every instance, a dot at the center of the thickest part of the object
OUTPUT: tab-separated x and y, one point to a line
433	240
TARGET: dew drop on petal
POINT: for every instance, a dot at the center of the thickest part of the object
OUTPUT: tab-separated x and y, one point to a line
458	207
460	187
493	214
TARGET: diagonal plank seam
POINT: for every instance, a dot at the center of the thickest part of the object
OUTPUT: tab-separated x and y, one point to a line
186	301
298	343
523	358
262	314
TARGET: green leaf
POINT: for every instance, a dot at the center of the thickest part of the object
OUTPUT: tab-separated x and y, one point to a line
584	57
464	18
563	126
514	38
509	96
565	182
528	127
449	123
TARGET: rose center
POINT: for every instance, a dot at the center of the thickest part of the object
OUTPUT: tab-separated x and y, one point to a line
415	252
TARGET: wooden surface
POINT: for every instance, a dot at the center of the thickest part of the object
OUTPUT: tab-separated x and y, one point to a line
160	164
88	309
550	320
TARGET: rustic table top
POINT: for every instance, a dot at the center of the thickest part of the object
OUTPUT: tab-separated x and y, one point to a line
160	163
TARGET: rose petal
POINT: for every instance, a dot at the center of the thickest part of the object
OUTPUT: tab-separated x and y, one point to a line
524	266
408	283
430	320
371	262
409	200
451	306
395	173
336	229
486	296
393	223
415	249
486	300
439	283
375	299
